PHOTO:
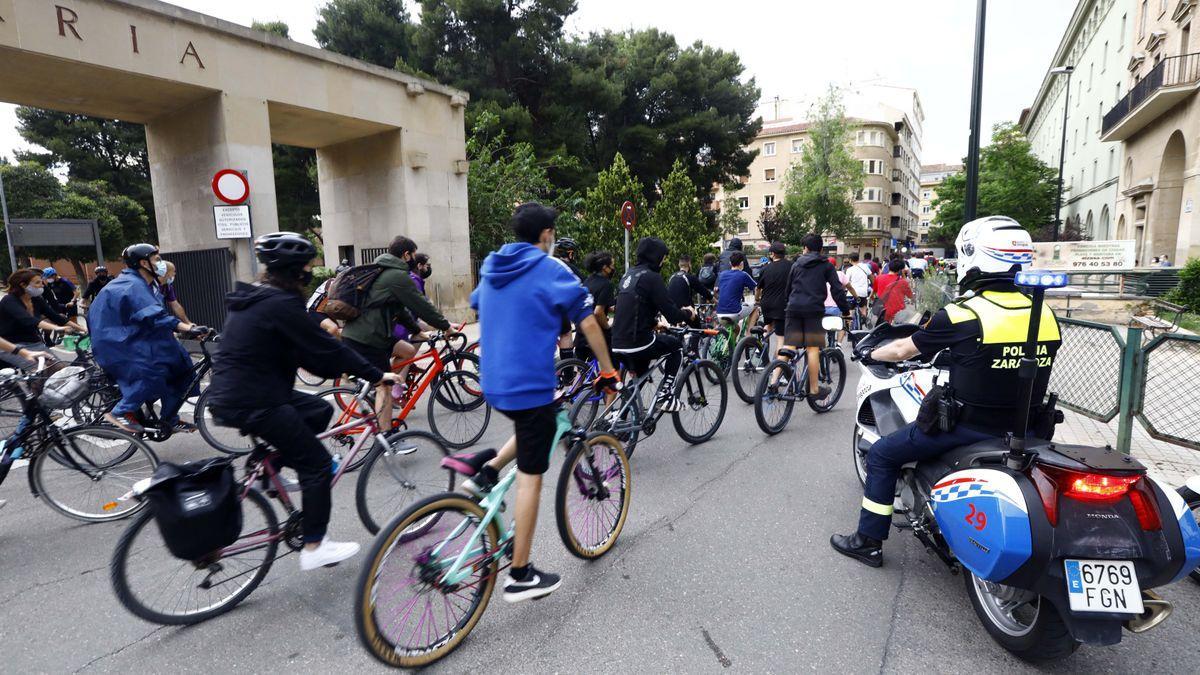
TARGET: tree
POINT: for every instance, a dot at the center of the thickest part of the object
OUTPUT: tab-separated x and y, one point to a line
730	222
599	228
775	226
1013	182
375	31
677	218
819	189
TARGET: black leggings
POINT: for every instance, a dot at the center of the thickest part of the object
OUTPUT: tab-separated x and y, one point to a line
291	429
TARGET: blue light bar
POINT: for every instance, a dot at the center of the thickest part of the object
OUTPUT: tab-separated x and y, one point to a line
1041	279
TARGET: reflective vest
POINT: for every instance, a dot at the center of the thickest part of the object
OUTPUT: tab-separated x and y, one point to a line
987	377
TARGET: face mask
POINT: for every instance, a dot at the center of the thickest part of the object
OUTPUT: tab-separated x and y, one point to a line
35	291
426	272
553	245
160	268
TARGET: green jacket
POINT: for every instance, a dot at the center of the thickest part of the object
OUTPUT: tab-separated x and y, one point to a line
392	290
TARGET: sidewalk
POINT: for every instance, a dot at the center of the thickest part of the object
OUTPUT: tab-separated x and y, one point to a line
1167	462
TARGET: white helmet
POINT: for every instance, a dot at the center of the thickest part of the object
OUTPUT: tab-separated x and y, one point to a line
992	245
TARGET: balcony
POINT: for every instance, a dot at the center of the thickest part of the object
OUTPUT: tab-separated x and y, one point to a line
1172	80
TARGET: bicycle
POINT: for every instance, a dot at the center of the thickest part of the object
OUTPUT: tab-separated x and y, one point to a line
782	384
750	358
221	580
443	554
721	347
632	412
80	472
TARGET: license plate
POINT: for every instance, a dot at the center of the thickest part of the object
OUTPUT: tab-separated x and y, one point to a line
1103	586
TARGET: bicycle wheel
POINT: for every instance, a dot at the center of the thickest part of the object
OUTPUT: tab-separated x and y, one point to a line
720	350
592	500
570	376
623	418
352	410
158	587
703	395
406	616
463	422
775	397
95	466
832	374
749	360
410	469
11	412
468	362
308	379
227	439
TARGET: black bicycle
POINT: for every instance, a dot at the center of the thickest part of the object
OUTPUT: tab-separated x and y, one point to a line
782	383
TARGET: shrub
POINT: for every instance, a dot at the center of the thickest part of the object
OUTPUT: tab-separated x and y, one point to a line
1187	293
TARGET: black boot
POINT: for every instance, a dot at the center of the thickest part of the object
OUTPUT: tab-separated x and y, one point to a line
864	549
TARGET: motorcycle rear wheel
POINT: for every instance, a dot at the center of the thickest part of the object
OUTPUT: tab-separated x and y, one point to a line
1038	634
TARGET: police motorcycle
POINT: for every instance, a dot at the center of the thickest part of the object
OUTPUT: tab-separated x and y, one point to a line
1058	545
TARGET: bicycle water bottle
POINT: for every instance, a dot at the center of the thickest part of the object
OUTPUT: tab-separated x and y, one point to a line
337	462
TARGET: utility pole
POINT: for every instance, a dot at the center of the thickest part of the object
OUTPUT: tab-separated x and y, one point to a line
1062	150
972	196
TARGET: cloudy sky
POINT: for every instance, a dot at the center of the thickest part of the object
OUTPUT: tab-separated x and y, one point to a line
793	48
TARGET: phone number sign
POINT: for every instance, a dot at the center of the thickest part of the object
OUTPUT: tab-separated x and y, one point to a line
1084	256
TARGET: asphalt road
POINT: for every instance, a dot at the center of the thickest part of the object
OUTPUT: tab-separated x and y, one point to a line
723	564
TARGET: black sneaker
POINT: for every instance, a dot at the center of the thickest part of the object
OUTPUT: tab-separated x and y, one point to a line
823	392
864	549
537	585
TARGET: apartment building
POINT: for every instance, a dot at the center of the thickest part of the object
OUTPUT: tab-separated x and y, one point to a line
1094	46
932	176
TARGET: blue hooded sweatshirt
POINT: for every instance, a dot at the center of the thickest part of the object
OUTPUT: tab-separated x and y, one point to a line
522	298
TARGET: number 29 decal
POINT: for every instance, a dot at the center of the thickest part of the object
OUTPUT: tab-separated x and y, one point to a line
976	518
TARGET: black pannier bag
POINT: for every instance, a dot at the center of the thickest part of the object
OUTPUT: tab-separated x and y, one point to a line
196	506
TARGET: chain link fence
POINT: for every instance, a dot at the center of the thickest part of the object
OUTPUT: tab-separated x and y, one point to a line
1169	401
1087	369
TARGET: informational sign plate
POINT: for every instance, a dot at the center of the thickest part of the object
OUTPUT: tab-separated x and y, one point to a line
233	222
1084	256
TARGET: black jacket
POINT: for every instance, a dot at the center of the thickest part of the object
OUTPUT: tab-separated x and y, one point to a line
683	287
641	296
811	274
723	263
773	282
268	335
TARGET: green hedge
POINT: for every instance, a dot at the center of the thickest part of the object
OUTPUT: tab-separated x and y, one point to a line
1187	293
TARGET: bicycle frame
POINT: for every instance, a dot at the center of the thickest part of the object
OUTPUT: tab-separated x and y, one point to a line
428	375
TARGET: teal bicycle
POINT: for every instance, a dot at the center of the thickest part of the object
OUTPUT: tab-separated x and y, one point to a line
430	573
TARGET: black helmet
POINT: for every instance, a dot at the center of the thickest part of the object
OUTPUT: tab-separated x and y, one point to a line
284	249
566	245
137	253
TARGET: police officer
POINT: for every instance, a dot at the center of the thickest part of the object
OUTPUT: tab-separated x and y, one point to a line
984	331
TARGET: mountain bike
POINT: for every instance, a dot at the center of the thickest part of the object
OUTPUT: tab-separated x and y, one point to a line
429	575
155	586
700	387
750	358
721	346
79	472
782	383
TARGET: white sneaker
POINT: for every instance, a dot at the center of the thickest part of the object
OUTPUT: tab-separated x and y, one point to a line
328	554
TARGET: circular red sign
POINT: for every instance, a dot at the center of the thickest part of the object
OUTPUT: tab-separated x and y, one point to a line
230	186
628	215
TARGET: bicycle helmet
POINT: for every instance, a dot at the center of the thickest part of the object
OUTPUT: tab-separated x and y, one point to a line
284	249
566	245
137	253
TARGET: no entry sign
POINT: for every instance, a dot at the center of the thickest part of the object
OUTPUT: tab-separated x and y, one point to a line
230	186
628	216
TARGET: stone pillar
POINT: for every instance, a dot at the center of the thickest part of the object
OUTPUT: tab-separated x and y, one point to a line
394	183
186	148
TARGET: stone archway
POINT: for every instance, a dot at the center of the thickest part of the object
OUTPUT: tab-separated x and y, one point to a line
1162	231
1088	231
1121	234
1103	232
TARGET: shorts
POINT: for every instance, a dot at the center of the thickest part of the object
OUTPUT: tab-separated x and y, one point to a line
535	429
742	313
380	358
804	331
918	272
776	325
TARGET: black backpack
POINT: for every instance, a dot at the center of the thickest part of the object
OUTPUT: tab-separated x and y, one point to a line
347	295
196	506
707	275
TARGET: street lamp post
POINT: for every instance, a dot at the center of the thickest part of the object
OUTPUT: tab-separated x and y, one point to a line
972	191
1062	150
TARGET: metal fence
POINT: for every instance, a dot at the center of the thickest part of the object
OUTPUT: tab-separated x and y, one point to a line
1147	282
202	280
1105	372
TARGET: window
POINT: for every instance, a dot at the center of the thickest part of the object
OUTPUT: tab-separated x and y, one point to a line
1162	6
1095	171
924	223
873	166
769	175
768	201
1074	141
769	149
1118	92
743	203
1124	27
869	138
1144	19
926	194
743	228
1091	74
797	146
870	195
1112	158
926	209
1087	123
871	222
1104	57
1100	114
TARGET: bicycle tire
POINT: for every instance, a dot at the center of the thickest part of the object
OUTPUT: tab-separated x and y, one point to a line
573	480
309	379
833	373
629	439
456	386
398	533
229	440
583	411
92	491
119	572
379	459
763	397
746	369
569	377
694	389
461	361
341	415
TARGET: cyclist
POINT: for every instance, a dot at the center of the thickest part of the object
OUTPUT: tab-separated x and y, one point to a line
708	272
168	292
860	283
99	280
641	296
811	280
599	284
25	355
684	287
133	339
521	299
564	251
724	263
773	292
61	293
23	311
732	285
268	335
314	306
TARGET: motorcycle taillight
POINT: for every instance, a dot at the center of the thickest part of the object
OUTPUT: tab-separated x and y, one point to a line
1048	491
1145	506
1096	488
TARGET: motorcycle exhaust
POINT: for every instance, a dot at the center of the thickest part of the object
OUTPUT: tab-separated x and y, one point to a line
1156	611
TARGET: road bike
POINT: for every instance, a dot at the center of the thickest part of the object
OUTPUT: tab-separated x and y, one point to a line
782	383
430	573
632	413
80	472
156	586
